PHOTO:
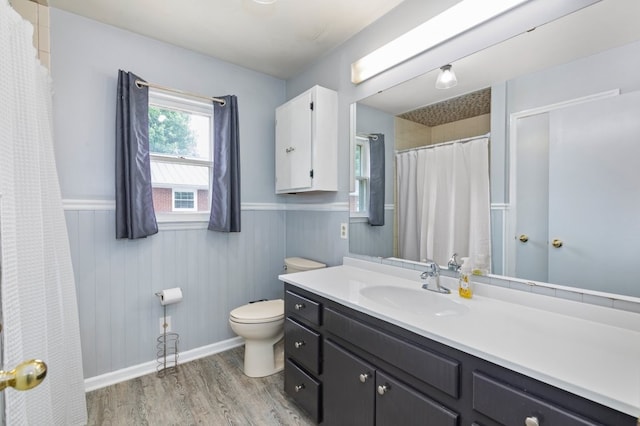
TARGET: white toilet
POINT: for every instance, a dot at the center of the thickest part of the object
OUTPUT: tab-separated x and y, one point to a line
262	326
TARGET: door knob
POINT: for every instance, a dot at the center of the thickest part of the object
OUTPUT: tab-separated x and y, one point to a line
27	375
523	238
556	243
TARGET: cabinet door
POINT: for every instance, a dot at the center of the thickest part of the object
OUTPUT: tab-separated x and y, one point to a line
398	404
349	388
293	144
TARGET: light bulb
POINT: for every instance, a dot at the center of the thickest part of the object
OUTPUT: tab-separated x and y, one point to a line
446	78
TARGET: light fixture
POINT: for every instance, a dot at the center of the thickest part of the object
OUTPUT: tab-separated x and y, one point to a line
446	78
265	1
459	18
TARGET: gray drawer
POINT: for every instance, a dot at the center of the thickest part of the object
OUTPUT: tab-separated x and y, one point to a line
304	389
302	344
511	406
441	372
303	307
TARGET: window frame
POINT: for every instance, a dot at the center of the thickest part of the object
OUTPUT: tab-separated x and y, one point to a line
189	105
362	175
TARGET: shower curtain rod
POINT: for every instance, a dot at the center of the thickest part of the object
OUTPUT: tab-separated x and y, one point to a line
465	140
140	83
367	136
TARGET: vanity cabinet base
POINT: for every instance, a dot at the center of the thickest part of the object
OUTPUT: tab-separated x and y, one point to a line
372	372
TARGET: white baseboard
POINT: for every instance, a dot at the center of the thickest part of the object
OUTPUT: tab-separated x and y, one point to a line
107	379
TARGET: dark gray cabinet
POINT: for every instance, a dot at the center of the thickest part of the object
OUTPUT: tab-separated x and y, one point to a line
302	350
349	388
358	393
345	367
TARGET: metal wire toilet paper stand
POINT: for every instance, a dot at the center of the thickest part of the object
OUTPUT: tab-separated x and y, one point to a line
167	349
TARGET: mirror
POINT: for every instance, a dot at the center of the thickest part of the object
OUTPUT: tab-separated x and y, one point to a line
549	71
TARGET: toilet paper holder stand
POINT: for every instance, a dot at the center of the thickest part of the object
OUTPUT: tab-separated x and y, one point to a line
166	347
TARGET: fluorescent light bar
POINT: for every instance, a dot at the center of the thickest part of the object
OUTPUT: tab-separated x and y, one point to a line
450	23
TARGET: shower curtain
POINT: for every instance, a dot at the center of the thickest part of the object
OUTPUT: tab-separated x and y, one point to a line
443	202
39	307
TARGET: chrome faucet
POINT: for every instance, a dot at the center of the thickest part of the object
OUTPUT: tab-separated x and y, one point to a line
433	274
453	264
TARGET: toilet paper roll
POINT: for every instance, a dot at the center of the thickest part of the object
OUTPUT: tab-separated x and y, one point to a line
170	296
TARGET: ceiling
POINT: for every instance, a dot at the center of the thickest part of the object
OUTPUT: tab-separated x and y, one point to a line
281	39
285	38
602	26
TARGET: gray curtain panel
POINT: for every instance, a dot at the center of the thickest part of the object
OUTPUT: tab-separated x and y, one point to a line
135	217
225	190
376	179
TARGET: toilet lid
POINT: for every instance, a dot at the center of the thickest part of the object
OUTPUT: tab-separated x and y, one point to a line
269	310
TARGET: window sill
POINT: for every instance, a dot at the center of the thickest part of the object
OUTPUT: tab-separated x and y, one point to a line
356	218
182	220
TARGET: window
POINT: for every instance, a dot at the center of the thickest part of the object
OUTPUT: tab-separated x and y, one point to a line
185	200
359	199
181	151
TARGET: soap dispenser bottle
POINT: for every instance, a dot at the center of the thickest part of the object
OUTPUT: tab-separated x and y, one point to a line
464	282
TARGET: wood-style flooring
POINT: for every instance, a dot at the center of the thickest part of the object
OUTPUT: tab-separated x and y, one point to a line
208	391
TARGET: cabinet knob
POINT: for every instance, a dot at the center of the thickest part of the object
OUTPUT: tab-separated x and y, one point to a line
382	389
531	421
523	238
299	387
299	344
556	243
290	149
364	377
299	306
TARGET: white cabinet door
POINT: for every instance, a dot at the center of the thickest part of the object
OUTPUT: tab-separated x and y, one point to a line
293	144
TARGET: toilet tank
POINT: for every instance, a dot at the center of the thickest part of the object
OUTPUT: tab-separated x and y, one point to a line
299	264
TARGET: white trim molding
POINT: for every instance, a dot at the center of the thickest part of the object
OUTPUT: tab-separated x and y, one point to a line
72	204
128	373
81	204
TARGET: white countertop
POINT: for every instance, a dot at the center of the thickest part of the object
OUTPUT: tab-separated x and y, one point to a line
589	350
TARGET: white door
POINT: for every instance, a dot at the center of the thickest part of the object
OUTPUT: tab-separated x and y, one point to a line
532	187
293	144
594	194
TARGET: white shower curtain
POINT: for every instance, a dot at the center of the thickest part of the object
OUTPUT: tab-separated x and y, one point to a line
39	306
443	202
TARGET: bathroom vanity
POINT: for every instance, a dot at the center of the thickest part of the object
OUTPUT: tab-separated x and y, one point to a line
368	346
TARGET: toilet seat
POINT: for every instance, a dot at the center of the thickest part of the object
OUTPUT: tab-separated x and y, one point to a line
259	312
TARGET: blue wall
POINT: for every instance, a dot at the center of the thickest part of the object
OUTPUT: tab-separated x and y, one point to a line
116	280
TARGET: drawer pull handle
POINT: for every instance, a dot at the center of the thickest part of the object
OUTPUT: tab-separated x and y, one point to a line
382	389
299	306
364	377
531	421
299	344
299	387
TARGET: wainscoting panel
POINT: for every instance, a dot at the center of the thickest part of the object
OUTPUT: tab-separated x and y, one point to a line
116	281
316	235
376	241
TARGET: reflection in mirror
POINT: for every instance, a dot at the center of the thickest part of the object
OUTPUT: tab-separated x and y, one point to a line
589	53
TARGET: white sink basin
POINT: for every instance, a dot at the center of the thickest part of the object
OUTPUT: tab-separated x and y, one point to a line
416	301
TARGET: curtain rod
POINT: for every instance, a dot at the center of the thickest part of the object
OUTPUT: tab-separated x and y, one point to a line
367	136
473	138
140	83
